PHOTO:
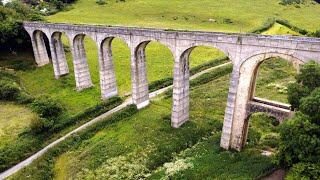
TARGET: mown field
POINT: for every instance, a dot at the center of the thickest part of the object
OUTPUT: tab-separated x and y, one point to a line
121	141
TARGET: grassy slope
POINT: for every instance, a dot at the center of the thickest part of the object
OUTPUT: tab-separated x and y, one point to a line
246	15
281	30
13	119
138	132
41	80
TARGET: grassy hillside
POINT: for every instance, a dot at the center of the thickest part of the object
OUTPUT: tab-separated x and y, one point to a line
13	120
207	101
142	143
192	15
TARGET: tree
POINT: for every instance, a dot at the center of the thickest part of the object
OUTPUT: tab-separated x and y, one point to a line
300	136
308	79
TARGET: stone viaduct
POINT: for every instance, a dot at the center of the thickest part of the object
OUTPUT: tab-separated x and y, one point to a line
246	51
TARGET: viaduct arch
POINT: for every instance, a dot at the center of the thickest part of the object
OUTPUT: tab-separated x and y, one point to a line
246	51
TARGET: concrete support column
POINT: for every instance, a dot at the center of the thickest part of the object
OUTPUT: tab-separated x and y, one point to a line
229	112
39	48
59	60
80	63
140	89
107	75
180	104
245	89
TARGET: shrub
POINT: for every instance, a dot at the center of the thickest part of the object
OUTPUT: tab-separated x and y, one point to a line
316	34
295	93
270	140
310	105
25	98
300	141
267	25
101	2
8	91
39	125
304	171
89	113
46	107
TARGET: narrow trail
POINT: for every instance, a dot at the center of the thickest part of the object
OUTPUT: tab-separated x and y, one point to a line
29	160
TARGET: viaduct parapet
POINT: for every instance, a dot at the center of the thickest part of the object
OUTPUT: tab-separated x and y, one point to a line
246	51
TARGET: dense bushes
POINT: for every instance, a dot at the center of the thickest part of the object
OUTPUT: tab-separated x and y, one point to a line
46	107
267	25
300	136
8	91
304	171
300	141
307	80
289	2
12	34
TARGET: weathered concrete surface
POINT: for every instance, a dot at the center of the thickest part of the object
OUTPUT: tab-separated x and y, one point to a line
107	75
246	51
29	160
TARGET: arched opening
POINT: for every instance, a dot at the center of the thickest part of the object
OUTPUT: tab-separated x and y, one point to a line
263	132
42	48
115	69
273	77
278	69
213	102
149	67
159	63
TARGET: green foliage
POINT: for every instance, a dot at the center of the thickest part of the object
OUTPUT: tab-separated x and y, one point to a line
39	125
208	65
44	163
316	34
310	105
88	113
8	91
308	79
267	25
292	27
300	141
101	2
290	2
12	33
295	92
304	171
309	75
155	85
47	107
207	77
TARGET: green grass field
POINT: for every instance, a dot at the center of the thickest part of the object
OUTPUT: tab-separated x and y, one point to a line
141	144
120	142
191	15
137	139
13	120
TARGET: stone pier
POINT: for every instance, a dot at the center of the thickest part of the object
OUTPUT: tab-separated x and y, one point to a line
108	82
140	89
39	48
80	63
59	60
180	104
